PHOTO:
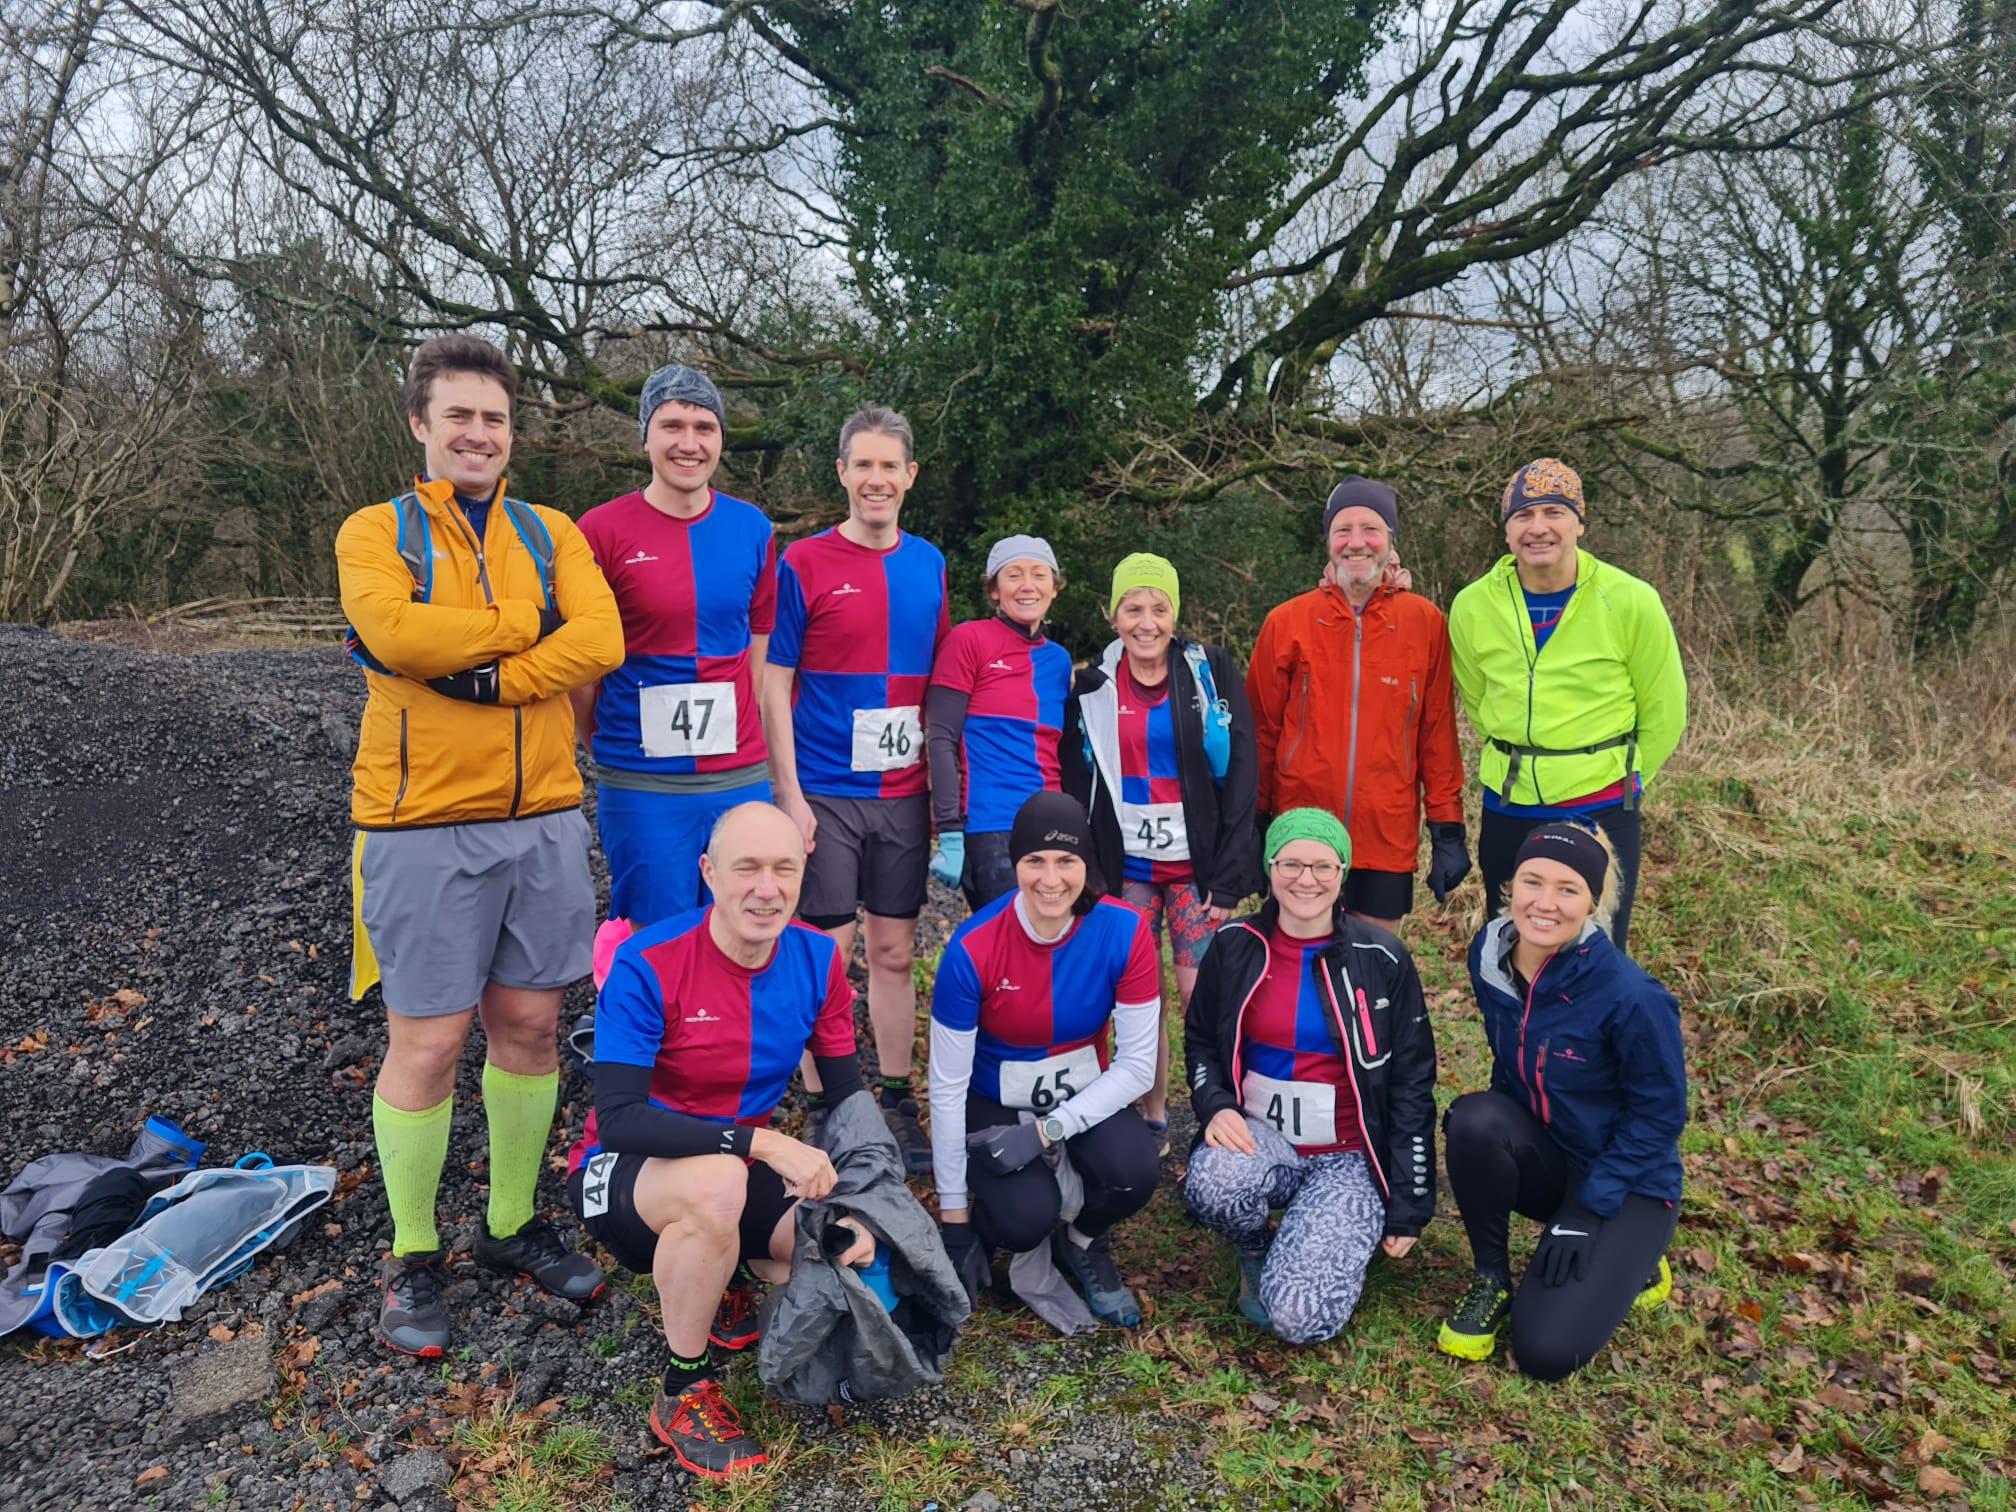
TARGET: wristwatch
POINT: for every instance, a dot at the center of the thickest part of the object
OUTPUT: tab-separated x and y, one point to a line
1051	1127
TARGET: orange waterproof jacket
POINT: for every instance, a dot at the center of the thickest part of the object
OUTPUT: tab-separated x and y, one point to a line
1357	714
424	758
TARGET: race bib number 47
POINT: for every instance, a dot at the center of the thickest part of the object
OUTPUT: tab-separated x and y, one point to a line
1040	1085
887	740
1306	1112
687	719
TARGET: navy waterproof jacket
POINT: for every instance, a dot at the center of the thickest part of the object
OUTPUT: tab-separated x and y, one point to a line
1592	1049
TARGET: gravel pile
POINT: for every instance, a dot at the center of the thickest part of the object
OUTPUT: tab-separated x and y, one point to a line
174	939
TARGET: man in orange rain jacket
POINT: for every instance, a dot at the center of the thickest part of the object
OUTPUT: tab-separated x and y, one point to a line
1354	710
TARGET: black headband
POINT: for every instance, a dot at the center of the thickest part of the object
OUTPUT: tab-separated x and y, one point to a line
1571	845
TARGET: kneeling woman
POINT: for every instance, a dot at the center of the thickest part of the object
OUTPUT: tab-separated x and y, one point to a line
1581	1126
1312	1070
1019	1068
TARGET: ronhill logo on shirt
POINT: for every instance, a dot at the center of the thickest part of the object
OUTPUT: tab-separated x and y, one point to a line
703	1017
998	665
641	556
1004	985
847	588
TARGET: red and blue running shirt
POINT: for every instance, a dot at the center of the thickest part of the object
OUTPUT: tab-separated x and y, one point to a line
1016	689
1023	1022
721	1039
692	593
1290	1072
861	627
1152	831
1544	610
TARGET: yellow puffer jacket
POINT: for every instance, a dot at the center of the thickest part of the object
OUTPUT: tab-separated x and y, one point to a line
424	758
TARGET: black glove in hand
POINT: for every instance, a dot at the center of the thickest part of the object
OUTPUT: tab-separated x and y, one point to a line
549	621
969	1258
477	685
1006	1148
1567	1245
1448	858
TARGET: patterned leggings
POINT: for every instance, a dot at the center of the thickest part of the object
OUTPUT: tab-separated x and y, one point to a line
1333	1221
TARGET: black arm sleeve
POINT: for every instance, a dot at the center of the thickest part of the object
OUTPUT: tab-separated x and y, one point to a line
628	1122
944	731
838	1075
1236	864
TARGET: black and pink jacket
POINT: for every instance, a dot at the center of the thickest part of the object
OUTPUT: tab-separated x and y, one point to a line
1380	1024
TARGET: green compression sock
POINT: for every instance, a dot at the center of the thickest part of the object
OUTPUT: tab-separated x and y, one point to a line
519	1110
412	1149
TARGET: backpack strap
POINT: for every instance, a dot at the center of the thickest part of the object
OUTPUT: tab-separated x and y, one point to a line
537	538
416	544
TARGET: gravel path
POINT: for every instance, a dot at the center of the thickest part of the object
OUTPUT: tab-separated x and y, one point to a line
174	939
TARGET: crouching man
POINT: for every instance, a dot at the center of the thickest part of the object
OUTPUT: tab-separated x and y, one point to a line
698	1027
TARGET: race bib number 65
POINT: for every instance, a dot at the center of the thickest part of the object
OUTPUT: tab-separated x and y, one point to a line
687	719
1040	1085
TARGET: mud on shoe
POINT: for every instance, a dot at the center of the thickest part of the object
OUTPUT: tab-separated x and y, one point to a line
1092	1267
411	1319
704	1432
1471	1331
541	1256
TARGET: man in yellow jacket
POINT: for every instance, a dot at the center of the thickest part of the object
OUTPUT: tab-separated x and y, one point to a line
474	616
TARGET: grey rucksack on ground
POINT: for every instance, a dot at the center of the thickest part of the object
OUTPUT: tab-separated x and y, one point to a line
826	1336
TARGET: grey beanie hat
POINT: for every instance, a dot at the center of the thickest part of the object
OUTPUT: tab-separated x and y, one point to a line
686	385
1014	548
1363	493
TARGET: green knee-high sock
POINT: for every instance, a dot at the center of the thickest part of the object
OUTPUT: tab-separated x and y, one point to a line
519	1110
412	1149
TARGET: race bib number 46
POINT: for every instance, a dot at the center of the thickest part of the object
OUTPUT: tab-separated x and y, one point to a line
887	740
1040	1085
687	719
1306	1112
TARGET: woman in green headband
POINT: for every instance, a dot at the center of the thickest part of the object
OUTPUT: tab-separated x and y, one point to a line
1165	763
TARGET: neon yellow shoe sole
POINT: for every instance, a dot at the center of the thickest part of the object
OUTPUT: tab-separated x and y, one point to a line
1657	1292
1466	1346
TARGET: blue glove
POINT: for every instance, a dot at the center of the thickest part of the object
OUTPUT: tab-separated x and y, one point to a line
948	862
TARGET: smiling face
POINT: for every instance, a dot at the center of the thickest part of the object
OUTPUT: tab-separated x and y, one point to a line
684	445
1543	536
1145	622
1360	548
755	865
1550	903
1307	878
466	431
1051	881
876	474
1024	590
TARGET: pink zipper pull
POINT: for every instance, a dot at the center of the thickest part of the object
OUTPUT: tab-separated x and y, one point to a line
1365	1021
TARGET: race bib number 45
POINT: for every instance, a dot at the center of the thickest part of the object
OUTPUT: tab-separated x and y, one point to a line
1306	1112
687	719
1040	1085
1155	830
887	740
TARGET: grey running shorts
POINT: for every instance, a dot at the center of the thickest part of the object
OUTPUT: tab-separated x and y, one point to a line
868	853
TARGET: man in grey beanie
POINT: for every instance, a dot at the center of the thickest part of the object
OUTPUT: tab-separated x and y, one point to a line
1354	710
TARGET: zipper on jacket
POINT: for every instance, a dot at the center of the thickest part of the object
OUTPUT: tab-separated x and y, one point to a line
1365	1023
1301	724
1351	1074
517	757
1351	760
1540	1079
404	774
1532	1101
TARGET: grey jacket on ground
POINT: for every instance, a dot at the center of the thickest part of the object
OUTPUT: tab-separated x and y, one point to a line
826	1336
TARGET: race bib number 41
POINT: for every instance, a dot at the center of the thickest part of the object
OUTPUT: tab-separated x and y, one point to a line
1306	1112
1040	1085
887	740
687	719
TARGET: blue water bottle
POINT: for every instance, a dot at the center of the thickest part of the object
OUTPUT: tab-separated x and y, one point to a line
876	1274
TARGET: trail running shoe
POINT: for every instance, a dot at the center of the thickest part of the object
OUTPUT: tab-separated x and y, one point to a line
909	1136
1105	1293
1471	1331
538	1253
704	1432
1657	1289
411	1318
736	1321
1250	1305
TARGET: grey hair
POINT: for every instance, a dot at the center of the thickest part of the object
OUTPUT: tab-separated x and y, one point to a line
875	419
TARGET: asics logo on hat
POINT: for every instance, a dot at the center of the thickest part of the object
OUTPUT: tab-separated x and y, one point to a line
1068	839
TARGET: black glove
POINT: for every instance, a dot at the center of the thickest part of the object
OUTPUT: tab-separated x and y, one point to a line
1006	1148
1567	1244
1448	858
477	685
549	620
970	1261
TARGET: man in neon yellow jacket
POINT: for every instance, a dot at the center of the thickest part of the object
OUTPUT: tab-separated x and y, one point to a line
1570	672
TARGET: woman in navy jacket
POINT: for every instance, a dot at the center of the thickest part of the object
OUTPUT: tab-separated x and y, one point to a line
1581	1126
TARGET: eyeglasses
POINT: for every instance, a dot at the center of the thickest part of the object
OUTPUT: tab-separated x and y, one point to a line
1290	871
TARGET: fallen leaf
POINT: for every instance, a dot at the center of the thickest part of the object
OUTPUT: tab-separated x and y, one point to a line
332	1284
1790	1460
151	1475
1936	1482
223	1333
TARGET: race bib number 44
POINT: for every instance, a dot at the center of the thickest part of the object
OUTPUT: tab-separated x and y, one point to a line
595	1184
1155	830
1306	1112
1040	1085
887	740
687	719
